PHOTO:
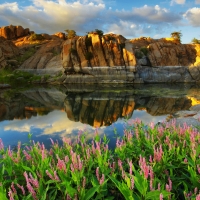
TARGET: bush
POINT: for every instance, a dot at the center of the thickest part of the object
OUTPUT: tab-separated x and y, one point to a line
195	41
70	33
88	56
144	50
138	54
35	37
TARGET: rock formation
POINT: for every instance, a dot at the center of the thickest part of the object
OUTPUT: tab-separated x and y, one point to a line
13	32
98	58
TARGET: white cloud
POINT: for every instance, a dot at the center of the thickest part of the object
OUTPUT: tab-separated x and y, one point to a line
193	16
53	16
148	14
178	2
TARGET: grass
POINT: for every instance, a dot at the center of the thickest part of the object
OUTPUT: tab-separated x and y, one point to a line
148	162
16	77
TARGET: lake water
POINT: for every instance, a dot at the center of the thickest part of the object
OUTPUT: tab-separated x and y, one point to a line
65	111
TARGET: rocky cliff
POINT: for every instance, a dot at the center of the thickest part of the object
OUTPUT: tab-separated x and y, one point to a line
95	58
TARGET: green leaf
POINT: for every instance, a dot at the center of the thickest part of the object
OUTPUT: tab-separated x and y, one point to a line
123	189
44	195
90	193
154	194
3	195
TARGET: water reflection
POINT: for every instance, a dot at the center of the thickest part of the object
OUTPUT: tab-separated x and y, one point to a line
63	111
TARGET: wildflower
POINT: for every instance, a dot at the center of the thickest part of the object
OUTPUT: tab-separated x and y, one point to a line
49	175
97	173
28	157
11	194
101	181
130	166
161	196
56	176
132	183
61	164
52	142
22	188
33	181
198	197
120	164
84	181
1	144
13	188
158	186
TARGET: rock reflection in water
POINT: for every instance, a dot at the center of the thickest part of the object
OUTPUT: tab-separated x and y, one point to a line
101	110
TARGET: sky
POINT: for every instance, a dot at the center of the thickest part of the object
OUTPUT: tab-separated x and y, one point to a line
130	18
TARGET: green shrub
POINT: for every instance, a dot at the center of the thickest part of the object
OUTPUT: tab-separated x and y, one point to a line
144	50
138	54
35	37
88	55
70	34
27	54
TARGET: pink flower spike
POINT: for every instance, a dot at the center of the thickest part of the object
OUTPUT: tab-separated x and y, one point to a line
161	196
1	144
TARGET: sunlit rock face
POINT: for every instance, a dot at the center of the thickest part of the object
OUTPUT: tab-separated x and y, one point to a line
13	32
95	59
98	109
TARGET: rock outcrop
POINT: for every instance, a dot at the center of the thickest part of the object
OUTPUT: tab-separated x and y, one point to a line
96	59
13	32
46	59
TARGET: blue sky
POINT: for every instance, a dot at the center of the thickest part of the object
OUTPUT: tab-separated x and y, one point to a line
131	18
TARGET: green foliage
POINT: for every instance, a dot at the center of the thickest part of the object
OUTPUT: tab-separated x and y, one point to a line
149	162
88	41
99	32
144	50
176	35
88	55
138	54
27	54
195	41
70	33
16	77
34	37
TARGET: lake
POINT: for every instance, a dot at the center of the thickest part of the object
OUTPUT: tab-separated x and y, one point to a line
68	110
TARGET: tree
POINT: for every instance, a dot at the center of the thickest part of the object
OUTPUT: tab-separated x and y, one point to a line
99	32
70	33
195	41
176	35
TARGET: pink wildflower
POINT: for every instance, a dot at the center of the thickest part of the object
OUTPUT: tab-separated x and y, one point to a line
84	181
101	181
198	197
49	175
61	164
120	164
1	144
132	183
10	194
161	196
13	188
130	167
56	176
28	157
97	173
22	188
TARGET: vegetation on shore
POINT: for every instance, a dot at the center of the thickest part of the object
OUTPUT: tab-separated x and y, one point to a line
148	162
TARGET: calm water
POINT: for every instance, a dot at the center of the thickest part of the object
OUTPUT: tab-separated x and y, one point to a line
57	112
